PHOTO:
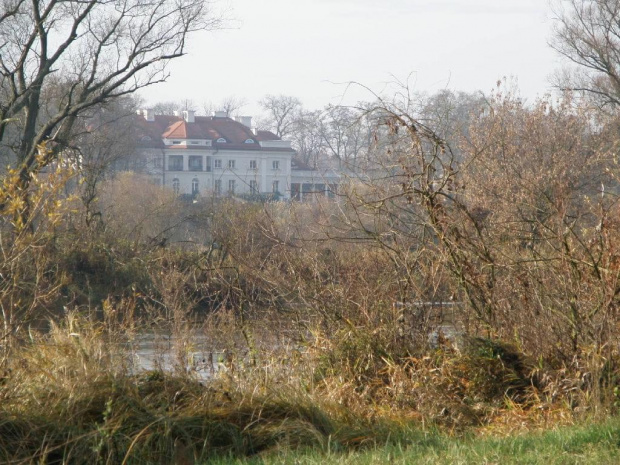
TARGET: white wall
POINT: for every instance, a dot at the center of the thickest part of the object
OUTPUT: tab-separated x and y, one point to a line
242	173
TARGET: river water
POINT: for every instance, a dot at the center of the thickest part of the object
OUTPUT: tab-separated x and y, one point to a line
150	351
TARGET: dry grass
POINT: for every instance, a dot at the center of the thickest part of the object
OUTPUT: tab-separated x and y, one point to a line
69	396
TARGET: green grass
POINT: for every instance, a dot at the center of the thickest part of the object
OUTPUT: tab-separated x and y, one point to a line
591	444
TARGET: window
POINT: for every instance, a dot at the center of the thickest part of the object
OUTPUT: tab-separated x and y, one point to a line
217	188
249	141
252	164
145	138
176	185
194	142
253	187
221	140
195	186
157	162
195	163
231	164
175	163
276	187
231	186
176	142
208	163
275	164
217	164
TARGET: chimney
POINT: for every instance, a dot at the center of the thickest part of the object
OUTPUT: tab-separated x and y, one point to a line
245	120
219	114
255	131
176	113
148	114
188	116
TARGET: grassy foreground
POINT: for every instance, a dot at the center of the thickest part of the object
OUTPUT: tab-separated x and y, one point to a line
590	444
69	396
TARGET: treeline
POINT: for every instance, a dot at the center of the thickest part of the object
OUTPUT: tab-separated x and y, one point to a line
515	220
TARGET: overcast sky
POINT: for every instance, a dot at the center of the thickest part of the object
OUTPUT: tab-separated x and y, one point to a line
309	48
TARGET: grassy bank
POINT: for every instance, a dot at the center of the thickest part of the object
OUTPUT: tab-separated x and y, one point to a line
72	396
156	418
586	444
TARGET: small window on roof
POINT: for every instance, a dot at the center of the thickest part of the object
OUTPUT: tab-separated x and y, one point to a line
249	141
221	140
145	138
176	142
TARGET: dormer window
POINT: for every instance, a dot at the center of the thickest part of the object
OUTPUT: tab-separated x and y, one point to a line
249	141
221	140
176	142
145	138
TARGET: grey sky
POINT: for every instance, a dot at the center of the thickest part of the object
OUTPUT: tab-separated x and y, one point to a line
306	47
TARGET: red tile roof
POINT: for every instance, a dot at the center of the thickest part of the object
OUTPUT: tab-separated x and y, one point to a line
203	127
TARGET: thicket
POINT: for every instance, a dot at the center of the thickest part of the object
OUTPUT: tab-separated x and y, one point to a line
318	307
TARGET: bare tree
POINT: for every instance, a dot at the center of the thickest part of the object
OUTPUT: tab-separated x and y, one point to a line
282	112
588	34
81	53
166	108
307	138
104	142
517	222
232	105
345	134
450	114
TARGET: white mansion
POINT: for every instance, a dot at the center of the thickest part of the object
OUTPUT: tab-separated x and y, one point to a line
217	155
